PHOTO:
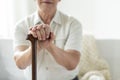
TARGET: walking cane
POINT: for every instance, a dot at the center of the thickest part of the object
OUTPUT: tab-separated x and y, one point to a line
34	59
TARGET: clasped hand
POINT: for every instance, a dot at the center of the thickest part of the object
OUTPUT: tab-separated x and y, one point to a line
44	35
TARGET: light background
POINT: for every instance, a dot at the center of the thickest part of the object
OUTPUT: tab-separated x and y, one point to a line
98	17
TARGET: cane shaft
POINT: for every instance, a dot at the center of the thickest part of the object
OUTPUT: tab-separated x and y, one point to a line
34	57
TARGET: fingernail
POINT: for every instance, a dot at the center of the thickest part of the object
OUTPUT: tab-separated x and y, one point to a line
47	36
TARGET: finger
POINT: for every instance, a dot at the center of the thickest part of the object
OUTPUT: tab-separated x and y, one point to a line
38	35
42	33
33	33
47	31
39	26
34	28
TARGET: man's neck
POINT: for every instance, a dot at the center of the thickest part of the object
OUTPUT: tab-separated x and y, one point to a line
47	16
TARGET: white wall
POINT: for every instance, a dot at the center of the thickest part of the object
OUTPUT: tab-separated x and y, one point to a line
6	17
83	10
107	19
23	8
101	17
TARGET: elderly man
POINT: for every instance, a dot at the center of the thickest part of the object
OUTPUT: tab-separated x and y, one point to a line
58	44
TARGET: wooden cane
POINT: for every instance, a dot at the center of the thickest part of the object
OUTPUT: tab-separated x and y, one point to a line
34	59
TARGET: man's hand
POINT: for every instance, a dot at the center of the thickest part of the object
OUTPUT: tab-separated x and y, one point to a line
44	35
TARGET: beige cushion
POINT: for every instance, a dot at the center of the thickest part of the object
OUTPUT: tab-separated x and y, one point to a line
91	63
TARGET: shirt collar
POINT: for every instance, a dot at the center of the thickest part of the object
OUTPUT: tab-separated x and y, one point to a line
37	19
56	18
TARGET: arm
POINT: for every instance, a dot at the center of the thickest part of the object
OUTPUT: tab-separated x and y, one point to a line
69	57
22	56
66	58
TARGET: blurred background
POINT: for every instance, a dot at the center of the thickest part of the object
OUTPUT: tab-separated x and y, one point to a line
101	18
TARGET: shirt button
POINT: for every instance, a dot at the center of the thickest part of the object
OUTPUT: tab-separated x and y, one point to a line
46	68
46	53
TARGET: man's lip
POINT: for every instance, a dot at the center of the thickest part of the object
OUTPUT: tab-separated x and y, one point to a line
47	2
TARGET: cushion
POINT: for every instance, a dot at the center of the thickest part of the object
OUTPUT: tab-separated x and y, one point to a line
91	61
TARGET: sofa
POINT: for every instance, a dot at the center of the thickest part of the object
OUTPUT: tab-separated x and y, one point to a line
108	49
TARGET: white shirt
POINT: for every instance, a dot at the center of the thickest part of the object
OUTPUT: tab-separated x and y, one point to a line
68	32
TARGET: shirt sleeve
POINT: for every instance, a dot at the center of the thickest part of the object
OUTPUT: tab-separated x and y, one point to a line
20	34
75	36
